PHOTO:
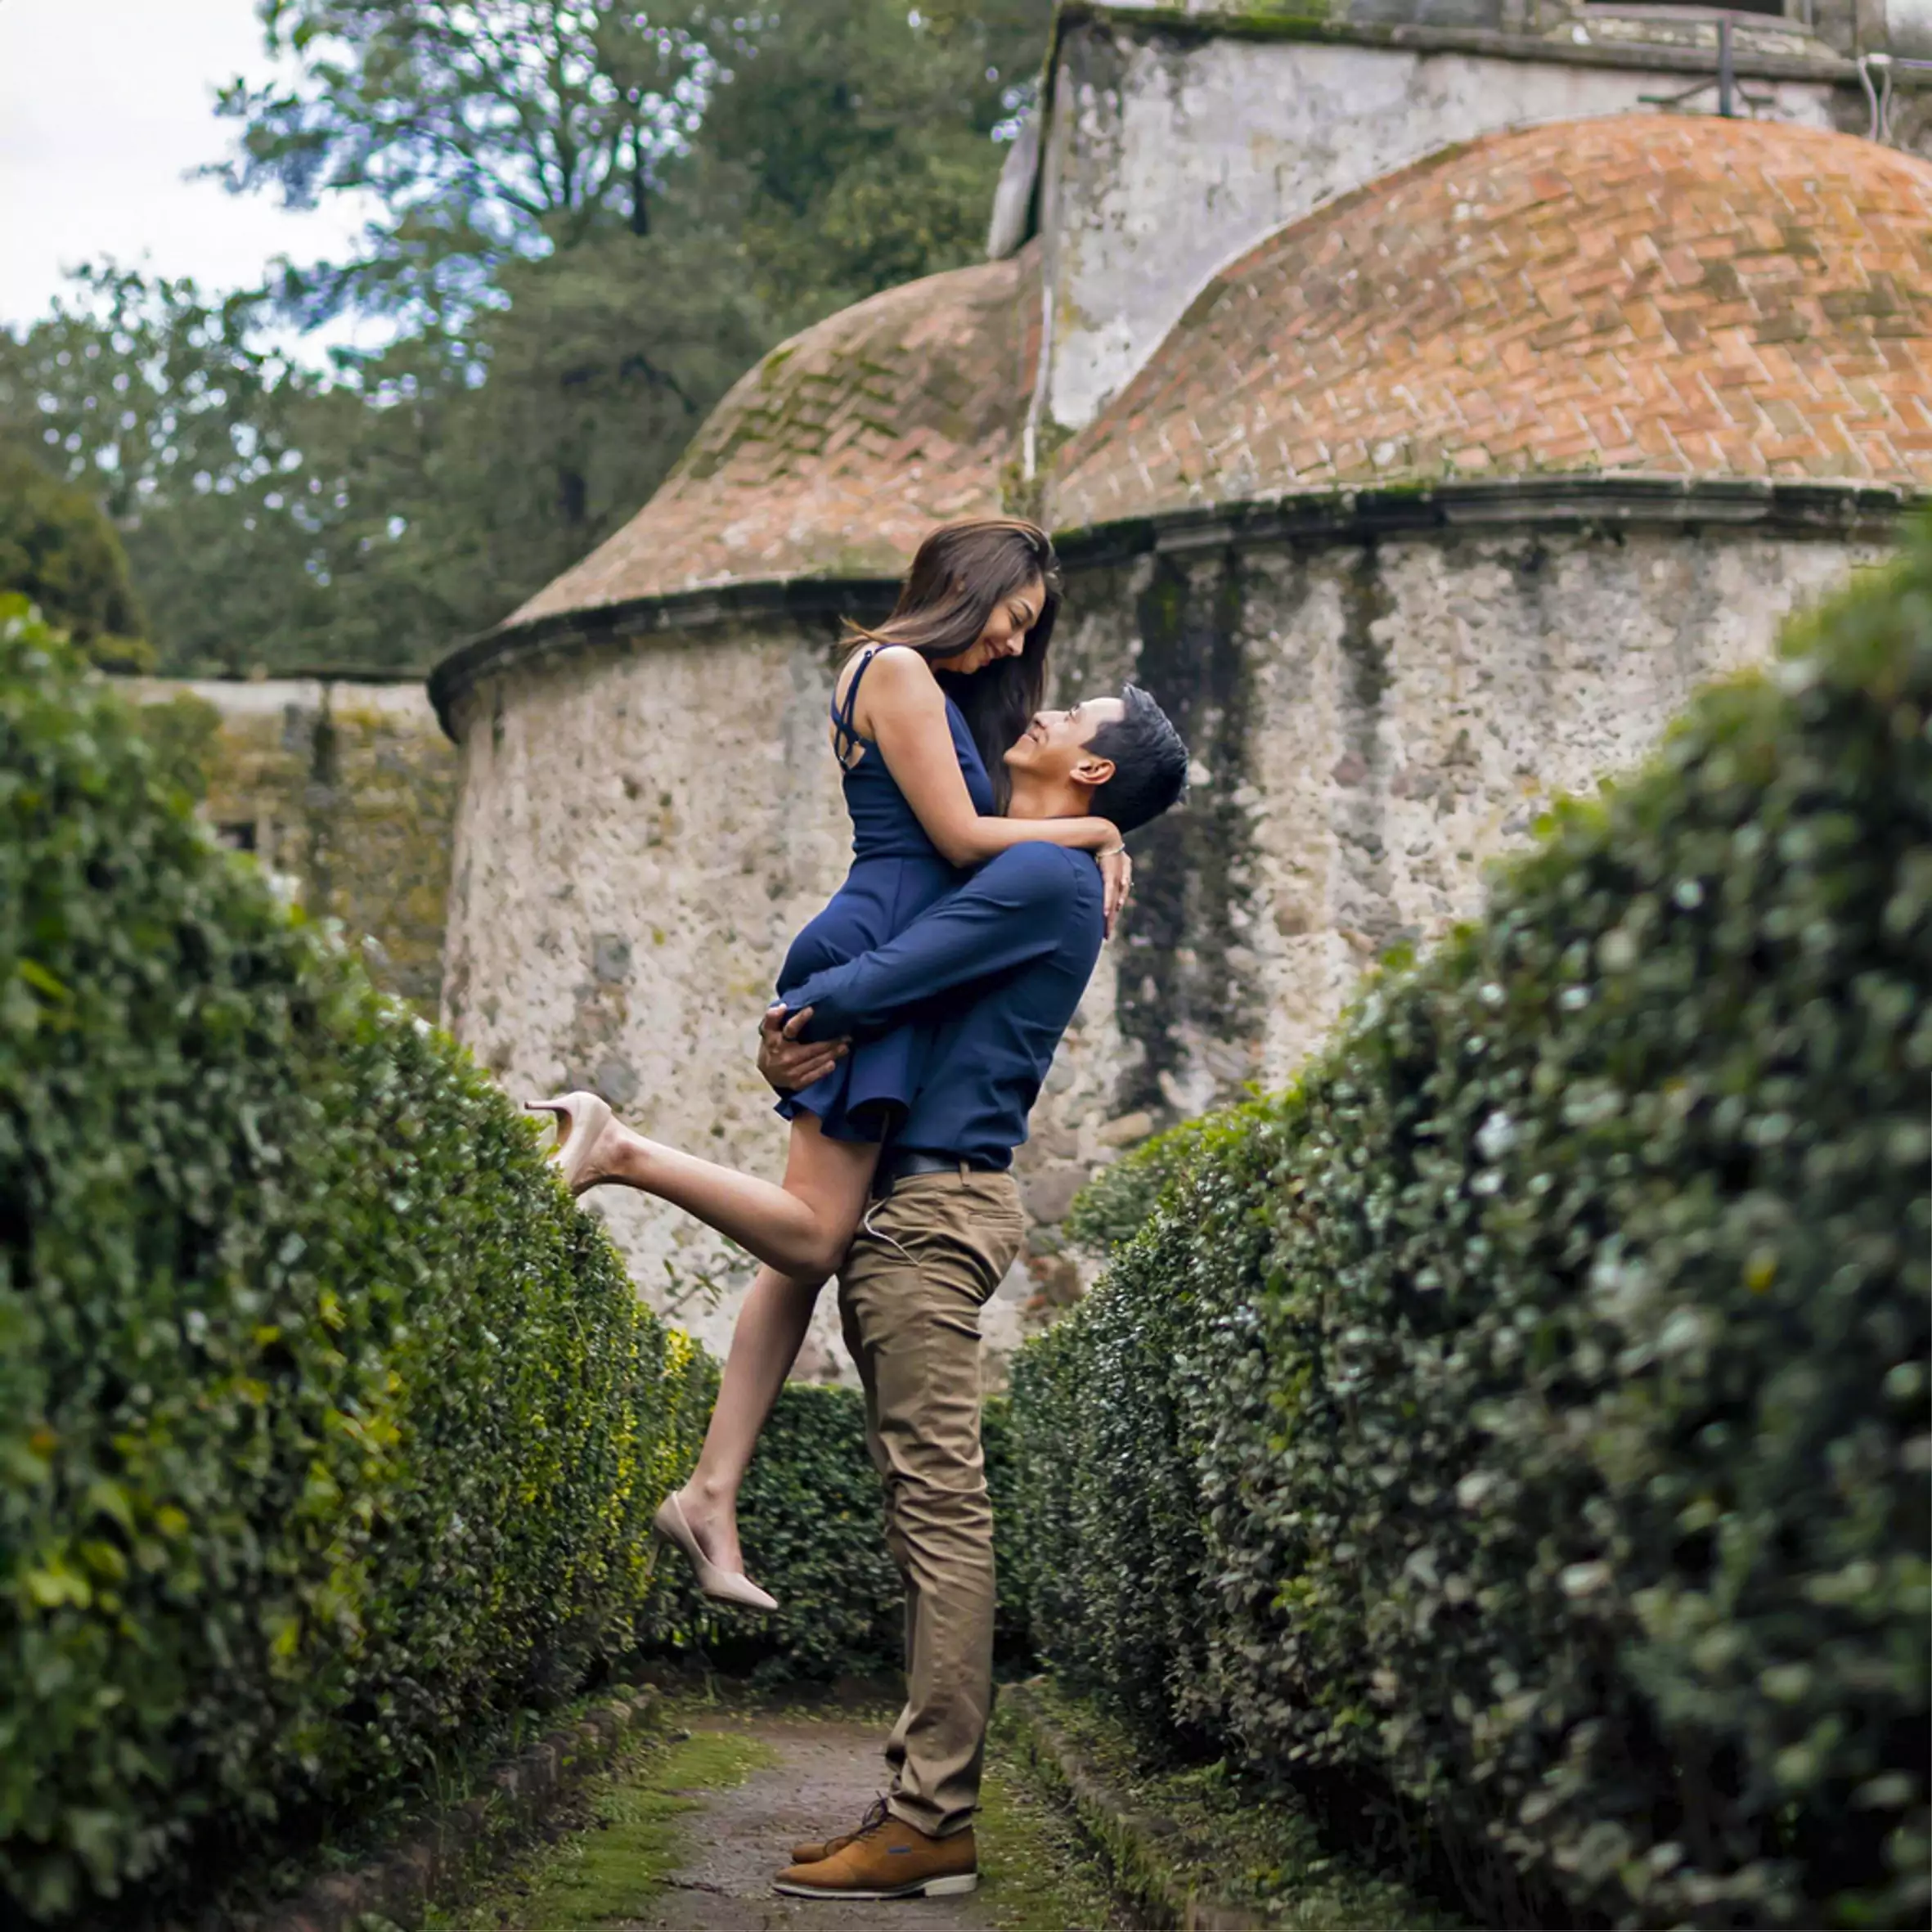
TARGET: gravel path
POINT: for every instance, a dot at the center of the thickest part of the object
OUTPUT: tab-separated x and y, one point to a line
827	1773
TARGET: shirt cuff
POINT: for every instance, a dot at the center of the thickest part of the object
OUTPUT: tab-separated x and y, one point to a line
810	993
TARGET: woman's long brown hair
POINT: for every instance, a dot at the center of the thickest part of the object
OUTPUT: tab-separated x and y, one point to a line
959	574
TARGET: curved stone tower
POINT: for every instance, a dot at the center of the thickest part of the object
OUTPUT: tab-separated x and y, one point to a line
649	810
1436	498
1443	497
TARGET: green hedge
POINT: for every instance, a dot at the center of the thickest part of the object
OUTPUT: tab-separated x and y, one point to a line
1527	1415
814	1536
1110	1210
813	1525
327	1425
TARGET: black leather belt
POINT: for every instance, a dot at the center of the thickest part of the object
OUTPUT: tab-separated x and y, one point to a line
901	1163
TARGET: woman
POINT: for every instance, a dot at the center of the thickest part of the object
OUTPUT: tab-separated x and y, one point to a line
922	711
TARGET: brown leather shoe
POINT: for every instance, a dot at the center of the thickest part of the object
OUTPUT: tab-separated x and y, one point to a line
890	1859
810	1850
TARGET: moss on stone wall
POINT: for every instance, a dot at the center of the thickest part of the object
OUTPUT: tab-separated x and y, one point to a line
1190	1000
347	795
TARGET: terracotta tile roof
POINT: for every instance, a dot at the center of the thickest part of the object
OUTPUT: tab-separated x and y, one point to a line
1693	297
841	449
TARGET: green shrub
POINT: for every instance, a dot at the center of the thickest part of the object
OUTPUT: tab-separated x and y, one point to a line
1010	1545
1105	1396
1110	1208
327	1426
184	732
58	550
1528	1414
812	1519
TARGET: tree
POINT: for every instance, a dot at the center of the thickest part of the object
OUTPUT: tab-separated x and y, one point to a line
489	131
58	551
140	388
597	372
848	141
277	519
230	471
854	141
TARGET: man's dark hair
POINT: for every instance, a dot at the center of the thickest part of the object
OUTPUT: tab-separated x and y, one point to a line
1150	763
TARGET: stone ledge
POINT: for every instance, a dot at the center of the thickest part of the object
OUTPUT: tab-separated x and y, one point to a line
1178	22
805	600
1150	1856
1846	511
454	1847
1869	512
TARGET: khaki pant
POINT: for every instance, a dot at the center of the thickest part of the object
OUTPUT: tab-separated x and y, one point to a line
921	1266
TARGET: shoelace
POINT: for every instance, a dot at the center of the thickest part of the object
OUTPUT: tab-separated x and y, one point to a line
875	1818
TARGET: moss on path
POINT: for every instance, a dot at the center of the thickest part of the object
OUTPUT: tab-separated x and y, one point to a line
620	1839
1204	1832
689	1832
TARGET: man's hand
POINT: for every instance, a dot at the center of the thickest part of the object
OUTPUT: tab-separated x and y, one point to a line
788	1062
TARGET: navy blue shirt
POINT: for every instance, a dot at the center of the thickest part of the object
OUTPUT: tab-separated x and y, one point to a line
995	970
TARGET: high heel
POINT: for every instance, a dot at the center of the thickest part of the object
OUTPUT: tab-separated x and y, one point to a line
584	1117
727	1586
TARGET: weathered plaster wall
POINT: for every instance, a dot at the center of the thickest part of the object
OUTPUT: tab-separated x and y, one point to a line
347	794
1372	723
1168	155
643	826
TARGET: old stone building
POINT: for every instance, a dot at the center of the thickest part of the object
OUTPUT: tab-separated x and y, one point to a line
345	791
1425	402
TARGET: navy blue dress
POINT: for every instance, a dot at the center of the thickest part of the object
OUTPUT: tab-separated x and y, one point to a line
896	873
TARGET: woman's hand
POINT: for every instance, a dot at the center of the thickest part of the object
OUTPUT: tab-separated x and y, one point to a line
1117	880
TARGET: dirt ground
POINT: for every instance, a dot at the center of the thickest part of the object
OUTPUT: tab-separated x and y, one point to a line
691	1832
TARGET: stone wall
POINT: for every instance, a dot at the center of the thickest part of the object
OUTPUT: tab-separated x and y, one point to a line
346	793
645	823
1371	722
1168	152
643	826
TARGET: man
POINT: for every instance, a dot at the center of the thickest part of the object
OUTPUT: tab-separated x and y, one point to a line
996	969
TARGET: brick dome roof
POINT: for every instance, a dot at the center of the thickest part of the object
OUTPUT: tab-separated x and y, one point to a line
839	450
1690	297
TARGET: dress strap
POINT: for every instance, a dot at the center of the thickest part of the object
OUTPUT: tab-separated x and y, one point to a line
845	739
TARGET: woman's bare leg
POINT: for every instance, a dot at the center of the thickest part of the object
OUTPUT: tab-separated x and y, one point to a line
770	1330
811	1218
801	1228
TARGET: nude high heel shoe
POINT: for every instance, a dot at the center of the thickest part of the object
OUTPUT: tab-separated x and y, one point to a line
727	1586
584	1118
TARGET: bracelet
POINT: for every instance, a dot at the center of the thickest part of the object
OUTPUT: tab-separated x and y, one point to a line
1113	851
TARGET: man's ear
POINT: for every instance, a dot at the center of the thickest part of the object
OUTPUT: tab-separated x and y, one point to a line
1093	772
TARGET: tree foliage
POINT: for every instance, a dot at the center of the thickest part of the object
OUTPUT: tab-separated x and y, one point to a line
858	147
484	131
58	551
591	220
274	518
221	463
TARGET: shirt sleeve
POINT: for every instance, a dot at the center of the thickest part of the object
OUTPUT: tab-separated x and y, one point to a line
1012	911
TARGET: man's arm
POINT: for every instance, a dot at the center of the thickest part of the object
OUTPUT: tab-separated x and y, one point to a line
1010	913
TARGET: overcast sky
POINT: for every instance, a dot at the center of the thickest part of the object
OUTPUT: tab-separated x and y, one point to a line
105	105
